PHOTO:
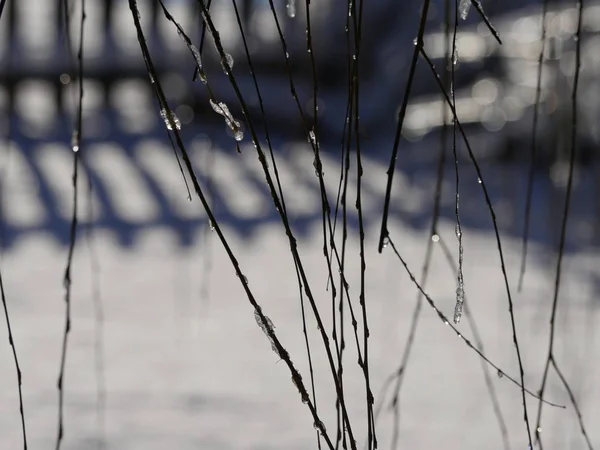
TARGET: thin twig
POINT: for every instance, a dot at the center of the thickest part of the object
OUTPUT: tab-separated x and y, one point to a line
401	115
283	354
479	343
563	230
357	15
488	202
76	144
416	315
486	20
443	318
573	402
11	341
536	112
99	360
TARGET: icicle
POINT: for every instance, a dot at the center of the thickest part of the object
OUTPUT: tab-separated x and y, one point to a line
170	119
460	290
463	8
235	126
460	299
291	8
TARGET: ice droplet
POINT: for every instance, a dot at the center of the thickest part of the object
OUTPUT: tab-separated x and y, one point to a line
479	180
291	8
198	59
303	394
539	429
170	119
75	141
435	238
312	139
266	326
455	57
458	231
235	126
318	166
386	242
500	374
463	8
318	425
211	225
243	278
229	60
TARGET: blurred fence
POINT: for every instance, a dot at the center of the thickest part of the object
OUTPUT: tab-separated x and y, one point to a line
127	155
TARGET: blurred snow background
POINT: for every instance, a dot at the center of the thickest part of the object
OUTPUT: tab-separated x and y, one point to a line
184	364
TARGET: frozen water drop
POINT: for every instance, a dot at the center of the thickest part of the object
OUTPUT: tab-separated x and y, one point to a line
500	374
312	139
458	231
266	326
75	141
435	238
458	308
211	225
455	57
386	242
243	278
479	180
318	167
234	125
463	8
229	60
303	393
291	8
318	425
170	119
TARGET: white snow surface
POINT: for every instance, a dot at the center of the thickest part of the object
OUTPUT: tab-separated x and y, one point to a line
187	367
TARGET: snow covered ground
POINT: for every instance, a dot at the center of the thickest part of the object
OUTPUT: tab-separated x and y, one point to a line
185	364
